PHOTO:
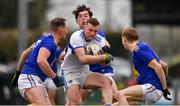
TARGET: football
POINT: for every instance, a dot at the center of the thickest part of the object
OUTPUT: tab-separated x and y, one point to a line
92	49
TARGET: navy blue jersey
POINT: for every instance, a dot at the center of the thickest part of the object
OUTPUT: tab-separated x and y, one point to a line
140	59
100	68
31	66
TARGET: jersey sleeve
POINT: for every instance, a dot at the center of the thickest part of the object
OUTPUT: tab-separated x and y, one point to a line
102	33
76	41
145	56
101	41
48	44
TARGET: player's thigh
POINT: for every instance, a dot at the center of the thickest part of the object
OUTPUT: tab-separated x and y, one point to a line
94	80
37	95
114	86
133	92
74	94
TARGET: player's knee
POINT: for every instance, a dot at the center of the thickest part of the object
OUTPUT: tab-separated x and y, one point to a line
75	101
107	83
119	95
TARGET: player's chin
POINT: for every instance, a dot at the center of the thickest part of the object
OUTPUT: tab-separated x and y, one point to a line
89	38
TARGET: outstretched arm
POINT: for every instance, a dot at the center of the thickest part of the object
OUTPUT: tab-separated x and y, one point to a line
20	65
159	71
61	57
23	57
43	55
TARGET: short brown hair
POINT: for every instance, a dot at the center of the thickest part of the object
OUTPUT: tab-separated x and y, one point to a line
131	33
93	21
82	8
56	23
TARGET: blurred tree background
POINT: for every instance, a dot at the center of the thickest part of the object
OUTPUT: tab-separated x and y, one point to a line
8	26
36	18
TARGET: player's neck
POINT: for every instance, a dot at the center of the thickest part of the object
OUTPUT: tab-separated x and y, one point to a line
55	36
132	46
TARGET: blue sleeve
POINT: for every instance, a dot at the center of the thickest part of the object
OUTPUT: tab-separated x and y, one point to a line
102	33
48	45
145	56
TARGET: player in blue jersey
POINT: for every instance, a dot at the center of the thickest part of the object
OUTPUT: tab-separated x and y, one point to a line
151	80
82	14
41	63
49	84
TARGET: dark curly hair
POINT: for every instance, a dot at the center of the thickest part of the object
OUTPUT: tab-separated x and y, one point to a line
82	8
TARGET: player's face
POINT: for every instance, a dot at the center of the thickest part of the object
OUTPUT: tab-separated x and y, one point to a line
90	31
124	42
82	18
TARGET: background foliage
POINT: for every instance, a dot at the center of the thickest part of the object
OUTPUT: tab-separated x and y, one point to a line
9	26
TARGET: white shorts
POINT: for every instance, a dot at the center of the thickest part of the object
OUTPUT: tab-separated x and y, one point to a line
75	77
49	84
151	94
110	76
28	81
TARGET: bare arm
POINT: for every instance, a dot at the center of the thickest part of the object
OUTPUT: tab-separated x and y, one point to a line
165	67
159	71
88	59
23	57
61	57
43	63
106	42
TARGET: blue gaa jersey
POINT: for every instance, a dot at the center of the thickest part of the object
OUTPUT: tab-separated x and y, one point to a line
31	66
141	58
100	68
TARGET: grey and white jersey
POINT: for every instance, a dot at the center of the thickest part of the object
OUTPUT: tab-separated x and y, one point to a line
77	40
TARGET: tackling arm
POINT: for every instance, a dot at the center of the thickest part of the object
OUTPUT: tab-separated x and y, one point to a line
106	42
165	67
23	57
43	63
159	71
20	65
161	75
61	57
88	59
